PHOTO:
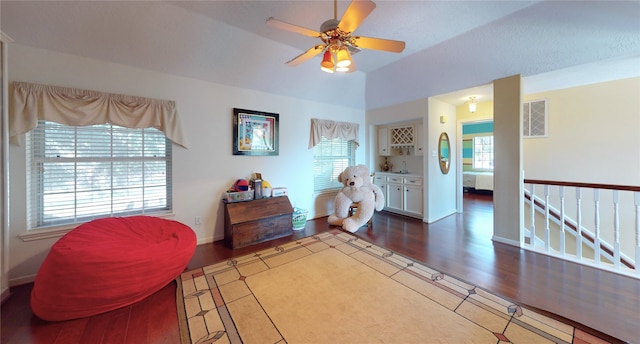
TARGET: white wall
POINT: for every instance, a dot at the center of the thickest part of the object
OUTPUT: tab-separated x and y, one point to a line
440	188
202	172
409	112
508	194
594	135
414	112
399	113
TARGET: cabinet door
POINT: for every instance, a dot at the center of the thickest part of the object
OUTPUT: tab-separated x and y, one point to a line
384	188
394	196
419	149
413	200
383	141
381	181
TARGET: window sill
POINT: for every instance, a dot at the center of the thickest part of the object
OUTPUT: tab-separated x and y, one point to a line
59	231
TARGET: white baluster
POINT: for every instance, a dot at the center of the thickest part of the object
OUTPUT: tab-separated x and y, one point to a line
547	231
637	202
562	222
616	229
596	240
579	224
532	211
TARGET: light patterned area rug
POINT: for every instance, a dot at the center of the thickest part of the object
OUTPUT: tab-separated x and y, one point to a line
337	288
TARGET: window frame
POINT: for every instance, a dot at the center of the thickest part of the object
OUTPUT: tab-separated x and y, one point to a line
492	153
38	156
332	184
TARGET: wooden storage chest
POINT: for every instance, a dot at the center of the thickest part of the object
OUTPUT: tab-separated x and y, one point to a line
251	222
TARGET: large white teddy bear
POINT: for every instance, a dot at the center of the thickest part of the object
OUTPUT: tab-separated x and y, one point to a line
357	188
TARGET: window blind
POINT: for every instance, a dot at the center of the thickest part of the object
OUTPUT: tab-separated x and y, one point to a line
76	174
330	158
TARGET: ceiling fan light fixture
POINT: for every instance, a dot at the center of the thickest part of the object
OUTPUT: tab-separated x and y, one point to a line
327	60
328	70
329	25
338	39
343	57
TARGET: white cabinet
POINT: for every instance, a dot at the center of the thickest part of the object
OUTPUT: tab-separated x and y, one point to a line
403	136
413	196
419	146
395	191
383	141
399	137
381	181
412	181
404	194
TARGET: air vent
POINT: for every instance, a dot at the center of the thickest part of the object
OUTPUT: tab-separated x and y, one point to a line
534	119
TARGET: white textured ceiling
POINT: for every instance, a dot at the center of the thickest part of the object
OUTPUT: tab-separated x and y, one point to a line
453	48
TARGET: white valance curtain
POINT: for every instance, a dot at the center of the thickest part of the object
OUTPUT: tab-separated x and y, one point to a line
77	107
331	130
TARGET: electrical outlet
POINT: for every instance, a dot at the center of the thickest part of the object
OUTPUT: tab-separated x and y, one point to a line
198	220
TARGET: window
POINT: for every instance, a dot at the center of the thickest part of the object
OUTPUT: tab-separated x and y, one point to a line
534	118
483	153
76	174
330	158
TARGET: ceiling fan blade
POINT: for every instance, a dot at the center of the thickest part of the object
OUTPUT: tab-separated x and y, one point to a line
306	55
357	11
378	44
278	24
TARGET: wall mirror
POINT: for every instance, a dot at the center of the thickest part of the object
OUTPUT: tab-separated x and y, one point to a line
444	153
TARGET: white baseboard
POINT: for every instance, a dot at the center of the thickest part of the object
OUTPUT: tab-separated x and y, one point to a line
5	295
208	240
505	241
439	218
22	280
315	216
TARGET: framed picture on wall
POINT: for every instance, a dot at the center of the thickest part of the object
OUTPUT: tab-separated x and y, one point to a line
255	132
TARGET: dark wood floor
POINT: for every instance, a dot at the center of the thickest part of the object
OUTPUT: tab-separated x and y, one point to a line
459	245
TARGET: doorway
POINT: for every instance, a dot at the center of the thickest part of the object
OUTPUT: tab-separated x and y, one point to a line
475	159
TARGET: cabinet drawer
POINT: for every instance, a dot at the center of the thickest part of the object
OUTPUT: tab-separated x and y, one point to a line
391	179
412	181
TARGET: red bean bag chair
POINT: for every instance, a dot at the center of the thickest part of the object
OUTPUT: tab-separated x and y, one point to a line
110	263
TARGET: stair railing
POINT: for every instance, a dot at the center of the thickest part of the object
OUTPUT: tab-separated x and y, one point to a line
592	224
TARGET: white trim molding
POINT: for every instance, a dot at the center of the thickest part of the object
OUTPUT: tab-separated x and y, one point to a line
505	241
4	167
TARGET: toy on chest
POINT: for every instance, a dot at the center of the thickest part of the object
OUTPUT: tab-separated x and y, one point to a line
238	192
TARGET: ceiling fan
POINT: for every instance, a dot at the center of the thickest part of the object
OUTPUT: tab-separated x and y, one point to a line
338	41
